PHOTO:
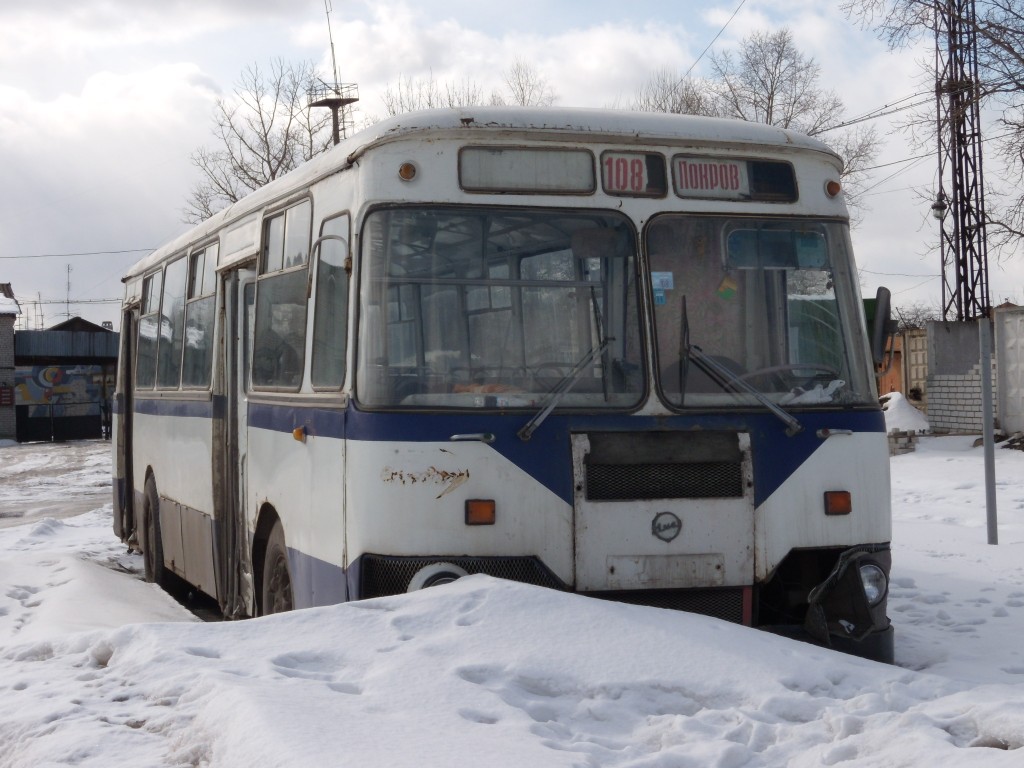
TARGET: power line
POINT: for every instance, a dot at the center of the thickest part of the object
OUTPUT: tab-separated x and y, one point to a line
875	115
896	274
714	39
83	253
27	302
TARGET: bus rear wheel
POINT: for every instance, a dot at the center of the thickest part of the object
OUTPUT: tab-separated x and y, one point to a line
152	548
277	576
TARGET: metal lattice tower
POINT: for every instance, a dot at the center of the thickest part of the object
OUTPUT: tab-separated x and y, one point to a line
960	207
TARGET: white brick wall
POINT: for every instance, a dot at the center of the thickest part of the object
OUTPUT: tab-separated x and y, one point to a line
954	401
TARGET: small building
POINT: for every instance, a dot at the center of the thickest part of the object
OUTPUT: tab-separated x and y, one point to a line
9	311
64	379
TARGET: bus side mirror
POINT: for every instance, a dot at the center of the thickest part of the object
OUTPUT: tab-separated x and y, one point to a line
882	326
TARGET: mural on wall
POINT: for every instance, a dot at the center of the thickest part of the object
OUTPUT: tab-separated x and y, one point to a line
60	391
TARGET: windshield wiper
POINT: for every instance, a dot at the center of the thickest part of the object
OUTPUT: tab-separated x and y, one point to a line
723	376
566	382
718	371
561	389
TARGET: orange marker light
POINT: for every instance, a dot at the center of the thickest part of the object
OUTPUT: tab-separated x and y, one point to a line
833	188
407	171
480	512
838	503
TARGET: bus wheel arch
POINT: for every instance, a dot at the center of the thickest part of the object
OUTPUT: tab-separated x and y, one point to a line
271	568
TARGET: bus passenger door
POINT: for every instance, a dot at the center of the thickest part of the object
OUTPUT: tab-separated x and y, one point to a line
239	303
123	407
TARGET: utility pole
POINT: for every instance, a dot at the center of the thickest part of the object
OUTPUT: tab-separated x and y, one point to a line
963	244
67	296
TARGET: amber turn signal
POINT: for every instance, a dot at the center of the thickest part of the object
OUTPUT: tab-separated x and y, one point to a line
479	511
838	503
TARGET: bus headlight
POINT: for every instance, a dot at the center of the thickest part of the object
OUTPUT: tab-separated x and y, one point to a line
874	582
435	574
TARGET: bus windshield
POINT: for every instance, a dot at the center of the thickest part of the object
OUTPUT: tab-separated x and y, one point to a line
498	308
745	306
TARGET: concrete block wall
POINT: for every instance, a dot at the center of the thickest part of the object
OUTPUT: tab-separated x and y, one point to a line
901	442
954	401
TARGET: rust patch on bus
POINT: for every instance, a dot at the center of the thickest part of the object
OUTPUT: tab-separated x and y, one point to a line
431	475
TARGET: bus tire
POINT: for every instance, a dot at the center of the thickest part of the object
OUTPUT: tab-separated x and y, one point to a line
277	574
152	546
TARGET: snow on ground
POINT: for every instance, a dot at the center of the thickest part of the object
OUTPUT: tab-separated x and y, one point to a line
98	668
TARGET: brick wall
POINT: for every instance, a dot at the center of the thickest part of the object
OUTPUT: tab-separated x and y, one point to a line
954	401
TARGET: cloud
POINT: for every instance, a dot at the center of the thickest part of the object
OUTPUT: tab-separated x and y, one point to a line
103	169
594	65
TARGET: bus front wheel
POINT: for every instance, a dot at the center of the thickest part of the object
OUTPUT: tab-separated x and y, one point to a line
152	548
277	578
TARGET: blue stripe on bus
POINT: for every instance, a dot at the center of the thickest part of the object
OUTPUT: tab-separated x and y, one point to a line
547	456
319	422
316	582
161	406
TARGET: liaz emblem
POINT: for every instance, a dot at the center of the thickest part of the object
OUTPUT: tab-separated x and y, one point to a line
666	526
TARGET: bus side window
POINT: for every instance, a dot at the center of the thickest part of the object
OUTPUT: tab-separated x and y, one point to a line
280	335
199	318
149	323
172	326
330	315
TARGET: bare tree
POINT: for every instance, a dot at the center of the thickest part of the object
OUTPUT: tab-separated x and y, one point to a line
999	28
916	315
526	86
263	130
411	94
768	80
665	91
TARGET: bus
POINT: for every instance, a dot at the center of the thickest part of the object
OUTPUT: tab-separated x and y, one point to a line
619	354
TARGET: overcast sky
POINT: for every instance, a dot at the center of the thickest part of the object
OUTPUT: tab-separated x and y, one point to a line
102	102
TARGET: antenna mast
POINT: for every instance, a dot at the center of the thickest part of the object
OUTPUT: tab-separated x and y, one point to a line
335	95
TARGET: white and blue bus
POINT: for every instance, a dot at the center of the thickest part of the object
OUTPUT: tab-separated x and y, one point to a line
614	353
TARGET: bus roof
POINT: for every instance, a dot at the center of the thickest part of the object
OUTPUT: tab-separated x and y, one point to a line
542	124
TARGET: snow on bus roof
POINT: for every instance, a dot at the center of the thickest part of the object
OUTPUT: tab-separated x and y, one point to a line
552	123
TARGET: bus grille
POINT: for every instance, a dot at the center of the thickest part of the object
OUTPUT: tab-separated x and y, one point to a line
699	480
725	604
390	575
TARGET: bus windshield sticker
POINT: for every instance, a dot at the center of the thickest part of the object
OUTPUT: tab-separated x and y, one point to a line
664	281
661	282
